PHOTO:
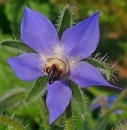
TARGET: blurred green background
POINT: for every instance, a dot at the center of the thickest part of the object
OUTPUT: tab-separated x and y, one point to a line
113	40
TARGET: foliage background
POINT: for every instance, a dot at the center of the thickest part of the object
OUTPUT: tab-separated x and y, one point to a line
113	27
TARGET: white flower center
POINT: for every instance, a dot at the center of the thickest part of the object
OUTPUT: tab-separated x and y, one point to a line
56	66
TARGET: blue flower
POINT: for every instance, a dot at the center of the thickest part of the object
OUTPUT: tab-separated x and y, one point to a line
104	102
60	59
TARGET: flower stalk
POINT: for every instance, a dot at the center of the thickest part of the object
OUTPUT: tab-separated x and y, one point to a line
114	107
120	97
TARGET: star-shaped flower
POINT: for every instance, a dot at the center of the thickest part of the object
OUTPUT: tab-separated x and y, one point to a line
60	59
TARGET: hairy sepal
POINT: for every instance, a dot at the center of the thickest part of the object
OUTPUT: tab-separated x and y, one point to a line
78	101
16	46
65	20
38	89
105	69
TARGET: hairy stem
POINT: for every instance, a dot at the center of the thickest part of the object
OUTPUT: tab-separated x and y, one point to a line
69	123
41	108
11	122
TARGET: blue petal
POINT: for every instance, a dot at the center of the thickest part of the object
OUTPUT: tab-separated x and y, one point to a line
82	39
27	66
85	75
38	32
96	106
118	111
112	98
58	98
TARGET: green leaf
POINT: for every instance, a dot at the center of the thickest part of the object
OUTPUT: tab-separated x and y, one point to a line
105	69
38	88
78	101
12	98
16	46
66	20
14	12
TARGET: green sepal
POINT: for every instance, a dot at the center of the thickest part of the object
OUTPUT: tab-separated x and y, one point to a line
16	46
11	122
38	89
66	20
12	98
69	118
78	100
105	69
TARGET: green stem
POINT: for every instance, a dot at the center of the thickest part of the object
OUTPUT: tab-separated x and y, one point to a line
114	107
12	122
69	122
41	108
121	96
103	116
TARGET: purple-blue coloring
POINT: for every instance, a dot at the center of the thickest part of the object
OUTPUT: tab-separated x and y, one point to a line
76	44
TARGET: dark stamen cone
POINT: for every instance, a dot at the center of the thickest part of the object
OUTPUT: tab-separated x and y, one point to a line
53	75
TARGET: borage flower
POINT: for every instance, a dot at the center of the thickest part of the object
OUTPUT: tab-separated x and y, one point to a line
60	59
103	102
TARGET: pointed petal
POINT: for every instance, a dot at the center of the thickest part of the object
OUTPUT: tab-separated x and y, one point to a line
85	75
38	32
58	98
27	66
82	39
